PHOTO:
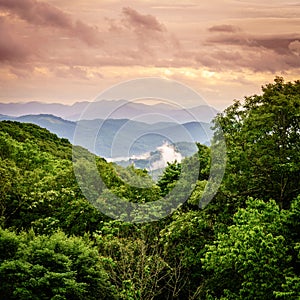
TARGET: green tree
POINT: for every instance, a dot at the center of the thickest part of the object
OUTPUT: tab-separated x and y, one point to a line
38	187
263	144
51	267
135	267
252	259
169	178
183	241
290	288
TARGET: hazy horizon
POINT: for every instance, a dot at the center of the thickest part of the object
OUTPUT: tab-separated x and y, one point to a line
103	100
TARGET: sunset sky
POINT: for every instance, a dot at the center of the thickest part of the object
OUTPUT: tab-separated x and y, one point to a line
67	51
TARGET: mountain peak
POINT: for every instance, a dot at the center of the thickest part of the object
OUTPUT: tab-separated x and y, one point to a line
117	109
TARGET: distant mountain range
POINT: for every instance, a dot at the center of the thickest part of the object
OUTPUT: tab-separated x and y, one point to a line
119	137
118	109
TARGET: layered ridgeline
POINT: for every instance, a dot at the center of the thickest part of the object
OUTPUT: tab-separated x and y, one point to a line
124	132
117	138
245	244
117	109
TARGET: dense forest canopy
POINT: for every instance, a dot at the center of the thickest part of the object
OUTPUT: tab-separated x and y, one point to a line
245	244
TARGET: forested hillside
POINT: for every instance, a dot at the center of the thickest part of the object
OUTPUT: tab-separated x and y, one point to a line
245	244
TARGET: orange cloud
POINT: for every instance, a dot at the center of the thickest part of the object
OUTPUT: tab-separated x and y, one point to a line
12	48
140	21
45	14
224	28
256	52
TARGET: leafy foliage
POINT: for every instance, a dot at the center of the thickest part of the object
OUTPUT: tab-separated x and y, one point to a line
51	267
56	244
249	262
263	144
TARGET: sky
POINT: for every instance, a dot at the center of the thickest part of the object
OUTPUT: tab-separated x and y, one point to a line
68	51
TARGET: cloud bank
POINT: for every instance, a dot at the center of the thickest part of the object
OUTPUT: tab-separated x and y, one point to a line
56	48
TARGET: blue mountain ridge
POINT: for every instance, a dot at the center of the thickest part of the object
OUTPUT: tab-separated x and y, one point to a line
120	137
